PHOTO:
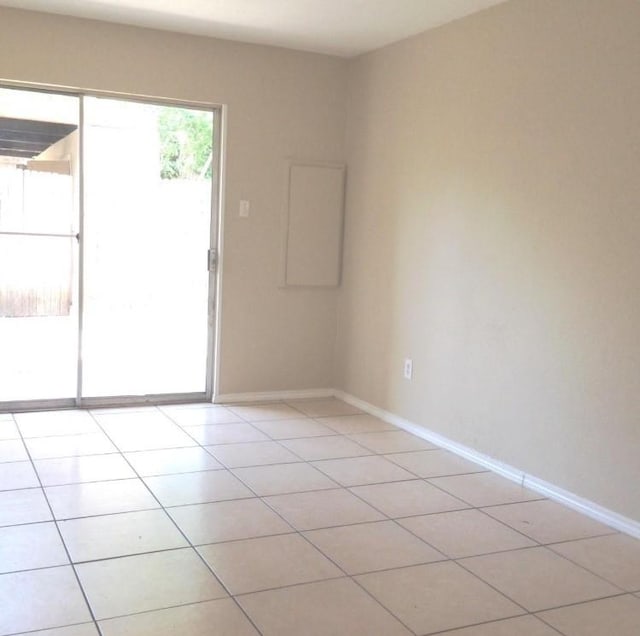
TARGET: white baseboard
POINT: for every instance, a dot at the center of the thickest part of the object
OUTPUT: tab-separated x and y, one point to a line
569	499
273	396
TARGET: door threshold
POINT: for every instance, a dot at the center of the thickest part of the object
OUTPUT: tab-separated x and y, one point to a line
21	406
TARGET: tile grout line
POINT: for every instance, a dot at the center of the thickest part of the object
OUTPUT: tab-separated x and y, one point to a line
189	543
38	631
553	627
311	463
586	569
417	477
447	559
277	534
538	544
439	487
549	546
264	497
229	597
302	460
472	506
506	525
314	547
278	441
613	533
329	558
346	436
535	612
414	565
578	603
483	623
64	545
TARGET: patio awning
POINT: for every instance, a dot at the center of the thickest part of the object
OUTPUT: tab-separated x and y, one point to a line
28	138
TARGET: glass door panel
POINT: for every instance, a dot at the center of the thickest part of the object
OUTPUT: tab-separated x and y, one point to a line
38	318
39	181
147	229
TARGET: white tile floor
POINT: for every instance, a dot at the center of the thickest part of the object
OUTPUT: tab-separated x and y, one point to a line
307	518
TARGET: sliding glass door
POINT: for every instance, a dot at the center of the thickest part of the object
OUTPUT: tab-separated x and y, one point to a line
106	288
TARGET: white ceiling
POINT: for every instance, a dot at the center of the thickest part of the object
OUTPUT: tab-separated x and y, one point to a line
339	27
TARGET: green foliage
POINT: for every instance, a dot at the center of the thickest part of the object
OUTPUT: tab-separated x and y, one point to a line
185	143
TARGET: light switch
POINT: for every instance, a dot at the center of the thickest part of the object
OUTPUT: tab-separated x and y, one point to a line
244	208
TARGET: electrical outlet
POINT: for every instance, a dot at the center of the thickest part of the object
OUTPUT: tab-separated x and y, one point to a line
244	208
408	368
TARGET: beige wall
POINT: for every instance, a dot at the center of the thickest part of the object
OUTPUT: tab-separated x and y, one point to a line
280	104
493	235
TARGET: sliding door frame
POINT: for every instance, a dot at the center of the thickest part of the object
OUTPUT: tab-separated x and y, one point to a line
218	112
